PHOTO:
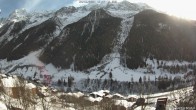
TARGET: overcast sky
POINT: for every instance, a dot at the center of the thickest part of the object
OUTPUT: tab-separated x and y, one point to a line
181	8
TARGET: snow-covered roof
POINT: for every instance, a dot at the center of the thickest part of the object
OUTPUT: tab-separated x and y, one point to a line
2	106
3	75
119	95
98	93
9	82
104	91
101	92
30	86
98	99
124	103
134	96
78	94
109	96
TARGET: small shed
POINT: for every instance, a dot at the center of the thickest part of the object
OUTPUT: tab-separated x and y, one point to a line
161	104
140	101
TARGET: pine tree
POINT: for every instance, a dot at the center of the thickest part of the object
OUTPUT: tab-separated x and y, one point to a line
70	81
140	80
110	75
64	83
59	82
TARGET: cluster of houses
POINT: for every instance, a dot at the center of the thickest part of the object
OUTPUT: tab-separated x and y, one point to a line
137	101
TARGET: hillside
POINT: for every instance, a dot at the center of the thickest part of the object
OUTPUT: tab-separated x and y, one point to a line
84	43
157	35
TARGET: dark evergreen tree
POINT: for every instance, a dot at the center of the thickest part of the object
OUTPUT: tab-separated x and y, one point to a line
110	75
59	82
34	74
64	83
140	80
70	81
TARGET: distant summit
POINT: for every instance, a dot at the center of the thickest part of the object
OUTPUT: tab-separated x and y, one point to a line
18	15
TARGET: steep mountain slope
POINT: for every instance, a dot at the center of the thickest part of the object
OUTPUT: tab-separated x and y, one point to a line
4	29
84	43
30	40
159	36
94	40
25	32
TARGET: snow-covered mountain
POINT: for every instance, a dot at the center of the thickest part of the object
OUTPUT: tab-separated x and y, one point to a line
2	20
125	39
18	15
21	27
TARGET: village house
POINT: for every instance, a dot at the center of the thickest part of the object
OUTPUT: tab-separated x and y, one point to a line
12	86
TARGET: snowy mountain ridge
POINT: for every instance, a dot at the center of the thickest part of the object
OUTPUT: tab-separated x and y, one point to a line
18	15
22	14
75	13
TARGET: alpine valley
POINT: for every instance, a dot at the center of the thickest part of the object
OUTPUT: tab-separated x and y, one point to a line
99	46
107	56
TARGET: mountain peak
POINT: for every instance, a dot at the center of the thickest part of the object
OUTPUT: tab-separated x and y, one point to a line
65	10
22	10
97	14
18	15
124	5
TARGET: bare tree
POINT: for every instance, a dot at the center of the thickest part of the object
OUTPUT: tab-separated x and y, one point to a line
44	101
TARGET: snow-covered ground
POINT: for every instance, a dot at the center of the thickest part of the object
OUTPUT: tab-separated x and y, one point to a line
30	64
